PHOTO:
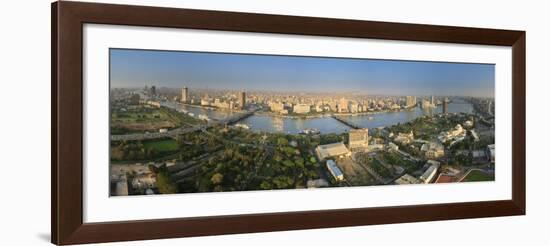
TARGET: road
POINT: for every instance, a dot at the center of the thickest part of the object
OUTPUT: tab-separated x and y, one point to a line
146	136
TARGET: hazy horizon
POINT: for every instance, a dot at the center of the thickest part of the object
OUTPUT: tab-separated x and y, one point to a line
276	73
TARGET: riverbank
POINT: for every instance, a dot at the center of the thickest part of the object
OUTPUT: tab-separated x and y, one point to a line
209	107
321	115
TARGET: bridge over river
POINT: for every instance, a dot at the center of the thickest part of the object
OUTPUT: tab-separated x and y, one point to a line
346	122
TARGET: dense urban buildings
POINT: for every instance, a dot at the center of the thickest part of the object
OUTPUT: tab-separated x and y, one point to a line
220	131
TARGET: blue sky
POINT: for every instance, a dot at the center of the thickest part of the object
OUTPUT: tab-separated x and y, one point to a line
175	69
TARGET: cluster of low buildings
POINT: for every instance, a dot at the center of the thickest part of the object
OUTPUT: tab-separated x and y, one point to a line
456	134
404	138
358	140
230	102
428	176
433	150
132	177
304	104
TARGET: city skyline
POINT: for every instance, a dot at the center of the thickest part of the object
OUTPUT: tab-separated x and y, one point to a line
221	71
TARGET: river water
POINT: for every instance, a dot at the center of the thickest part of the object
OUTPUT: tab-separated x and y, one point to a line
326	124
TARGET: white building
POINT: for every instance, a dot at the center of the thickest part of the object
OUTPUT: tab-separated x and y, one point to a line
331	150
301	108
457	132
429	175
334	170
404	138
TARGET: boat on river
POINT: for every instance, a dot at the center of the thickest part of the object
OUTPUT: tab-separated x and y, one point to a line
310	131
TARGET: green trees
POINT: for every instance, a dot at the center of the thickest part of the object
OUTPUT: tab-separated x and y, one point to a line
128	151
216	179
265	185
282	141
165	184
283	182
331	138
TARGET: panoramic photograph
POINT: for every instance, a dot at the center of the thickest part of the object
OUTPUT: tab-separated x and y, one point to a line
193	122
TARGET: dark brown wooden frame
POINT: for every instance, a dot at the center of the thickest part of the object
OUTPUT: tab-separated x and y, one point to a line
66	202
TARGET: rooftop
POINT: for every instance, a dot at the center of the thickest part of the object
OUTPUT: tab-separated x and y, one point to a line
333	149
407	179
445	178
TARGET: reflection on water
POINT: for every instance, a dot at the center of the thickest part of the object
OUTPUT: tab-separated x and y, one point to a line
268	123
278	124
391	118
325	124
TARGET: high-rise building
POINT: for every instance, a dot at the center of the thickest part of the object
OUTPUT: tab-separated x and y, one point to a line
432	101
153	90
242	99
184	95
411	101
343	106
445	106
358	138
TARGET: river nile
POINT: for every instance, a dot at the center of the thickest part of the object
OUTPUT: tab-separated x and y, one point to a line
326	124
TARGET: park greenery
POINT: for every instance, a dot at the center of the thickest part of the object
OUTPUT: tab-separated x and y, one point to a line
142	150
251	161
478	175
144	118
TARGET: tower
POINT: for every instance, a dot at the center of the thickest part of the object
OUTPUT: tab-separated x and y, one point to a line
445	106
184	95
410	101
242	99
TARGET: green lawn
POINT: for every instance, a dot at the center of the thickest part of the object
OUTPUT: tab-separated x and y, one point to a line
476	175
162	145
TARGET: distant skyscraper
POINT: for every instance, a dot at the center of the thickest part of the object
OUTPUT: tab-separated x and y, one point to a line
411	101
184	95
445	106
242	99
153	90
343	106
433	101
